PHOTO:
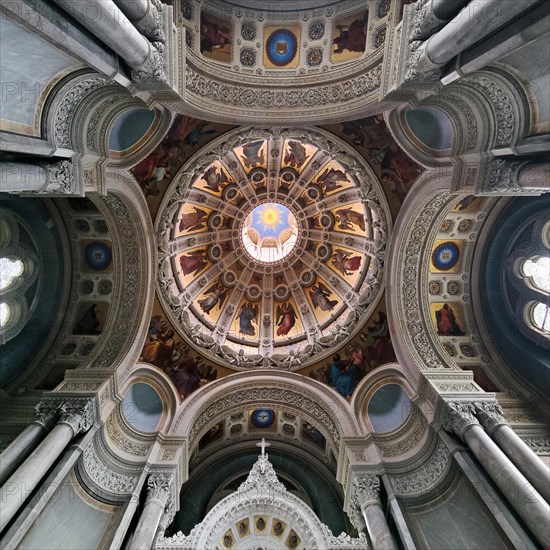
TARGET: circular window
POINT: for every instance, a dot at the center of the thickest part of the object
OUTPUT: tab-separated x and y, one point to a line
269	233
142	407
388	408
10	269
4	313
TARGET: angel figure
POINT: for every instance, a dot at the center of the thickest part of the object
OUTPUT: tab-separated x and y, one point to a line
320	297
346	263
329	179
194	261
253	154
215	296
286	319
248	314
193	221
215	179
296	155
347	218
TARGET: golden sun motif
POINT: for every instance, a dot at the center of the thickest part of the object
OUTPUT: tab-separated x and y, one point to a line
270	217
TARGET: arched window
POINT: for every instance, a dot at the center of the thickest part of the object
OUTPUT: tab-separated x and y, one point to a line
18	275
528	269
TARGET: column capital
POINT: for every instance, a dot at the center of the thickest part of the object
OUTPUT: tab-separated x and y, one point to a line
153	69
367	488
458	416
490	416
60	177
46	412
77	414
159	487
424	20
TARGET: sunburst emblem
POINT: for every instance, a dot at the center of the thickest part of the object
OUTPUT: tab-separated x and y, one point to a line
270	217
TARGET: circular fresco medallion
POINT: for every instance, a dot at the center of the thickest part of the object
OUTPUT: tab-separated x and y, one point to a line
97	255
262	418
445	256
281	47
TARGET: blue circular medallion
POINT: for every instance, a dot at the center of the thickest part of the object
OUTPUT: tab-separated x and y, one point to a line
281	47
97	255
262	418
445	256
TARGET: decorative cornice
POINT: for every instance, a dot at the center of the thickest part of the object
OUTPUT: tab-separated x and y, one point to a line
426	477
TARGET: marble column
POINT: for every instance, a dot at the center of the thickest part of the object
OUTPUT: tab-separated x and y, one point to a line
159	493
145	15
43	177
22	446
475	22
520	494
75	417
513	177
527	462
104	19
432	15
367	498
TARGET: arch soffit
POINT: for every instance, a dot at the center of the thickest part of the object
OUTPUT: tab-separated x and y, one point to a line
286	390
488	110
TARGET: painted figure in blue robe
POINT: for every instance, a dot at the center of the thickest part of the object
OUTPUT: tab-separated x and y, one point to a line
343	378
248	314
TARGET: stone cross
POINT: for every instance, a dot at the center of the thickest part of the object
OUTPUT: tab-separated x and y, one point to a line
263	445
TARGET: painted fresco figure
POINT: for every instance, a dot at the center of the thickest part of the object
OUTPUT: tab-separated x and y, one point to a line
213	36
320	297
329	179
193	221
286	319
352	37
343	378
346	263
215	296
446	322
194	261
215	179
347	218
253	154
248	314
88	323
399	169
296	155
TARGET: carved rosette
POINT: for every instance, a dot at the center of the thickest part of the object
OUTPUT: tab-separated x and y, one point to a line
458	417
490	416
159	488
79	415
46	413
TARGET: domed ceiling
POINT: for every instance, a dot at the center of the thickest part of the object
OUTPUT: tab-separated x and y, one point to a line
271	247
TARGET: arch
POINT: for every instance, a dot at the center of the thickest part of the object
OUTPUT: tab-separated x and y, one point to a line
282	390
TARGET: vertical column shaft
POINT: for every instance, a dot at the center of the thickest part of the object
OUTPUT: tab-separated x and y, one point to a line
377	526
529	505
472	24
104	19
159	487
19	449
526	461
27	477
